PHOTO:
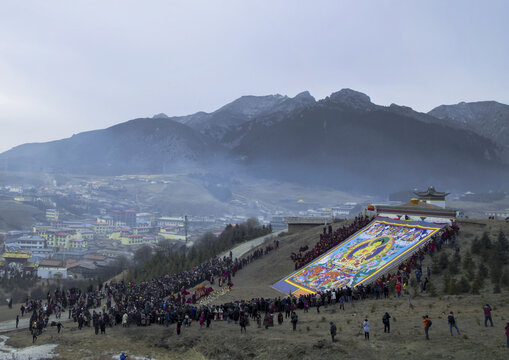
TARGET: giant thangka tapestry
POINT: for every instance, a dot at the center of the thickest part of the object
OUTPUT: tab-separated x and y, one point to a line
362	258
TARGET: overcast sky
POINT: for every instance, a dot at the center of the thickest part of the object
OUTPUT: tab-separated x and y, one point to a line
71	66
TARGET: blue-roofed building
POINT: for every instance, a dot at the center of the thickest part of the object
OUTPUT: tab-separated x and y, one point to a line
25	243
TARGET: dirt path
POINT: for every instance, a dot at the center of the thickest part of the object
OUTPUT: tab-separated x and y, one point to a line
244	248
31	352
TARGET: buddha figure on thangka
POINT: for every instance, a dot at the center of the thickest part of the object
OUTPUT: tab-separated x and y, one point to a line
361	257
345	268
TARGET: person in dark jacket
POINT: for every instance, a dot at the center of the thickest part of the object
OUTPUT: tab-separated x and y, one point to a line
242	322
452	323
333	330
179	326
387	322
487	315
294	320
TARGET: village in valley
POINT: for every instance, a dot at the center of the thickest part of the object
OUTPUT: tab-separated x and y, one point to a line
89	229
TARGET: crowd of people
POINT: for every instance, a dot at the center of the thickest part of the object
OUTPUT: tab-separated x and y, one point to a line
328	240
165	301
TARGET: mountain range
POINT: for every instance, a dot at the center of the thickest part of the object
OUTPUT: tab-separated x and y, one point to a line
343	141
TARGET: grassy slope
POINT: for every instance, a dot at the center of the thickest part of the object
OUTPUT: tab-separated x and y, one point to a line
312	340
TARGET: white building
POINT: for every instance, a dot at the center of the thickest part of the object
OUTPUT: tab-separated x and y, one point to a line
31	243
52	272
171	221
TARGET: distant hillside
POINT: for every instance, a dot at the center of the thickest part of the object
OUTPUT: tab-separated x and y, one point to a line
348	141
136	146
246	108
344	141
487	118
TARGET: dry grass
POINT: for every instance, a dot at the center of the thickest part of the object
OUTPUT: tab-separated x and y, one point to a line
223	341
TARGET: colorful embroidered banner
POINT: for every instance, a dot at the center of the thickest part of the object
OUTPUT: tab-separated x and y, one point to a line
362	258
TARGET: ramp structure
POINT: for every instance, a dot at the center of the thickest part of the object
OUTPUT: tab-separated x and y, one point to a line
362	258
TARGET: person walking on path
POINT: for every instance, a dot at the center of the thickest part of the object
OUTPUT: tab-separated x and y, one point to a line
387	322
452	323
102	325
179	325
242	322
202	319
365	325
17	321
280	318
124	320
427	324
487	315
333	330
295	319
342	302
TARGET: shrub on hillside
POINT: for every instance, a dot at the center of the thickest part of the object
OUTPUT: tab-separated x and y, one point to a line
501	249
476	286
486	247
454	264
469	265
432	291
504	280
443	261
482	271
446	283
463	285
453	288
495	271
476	246
435	266
496	289
440	263
485	241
